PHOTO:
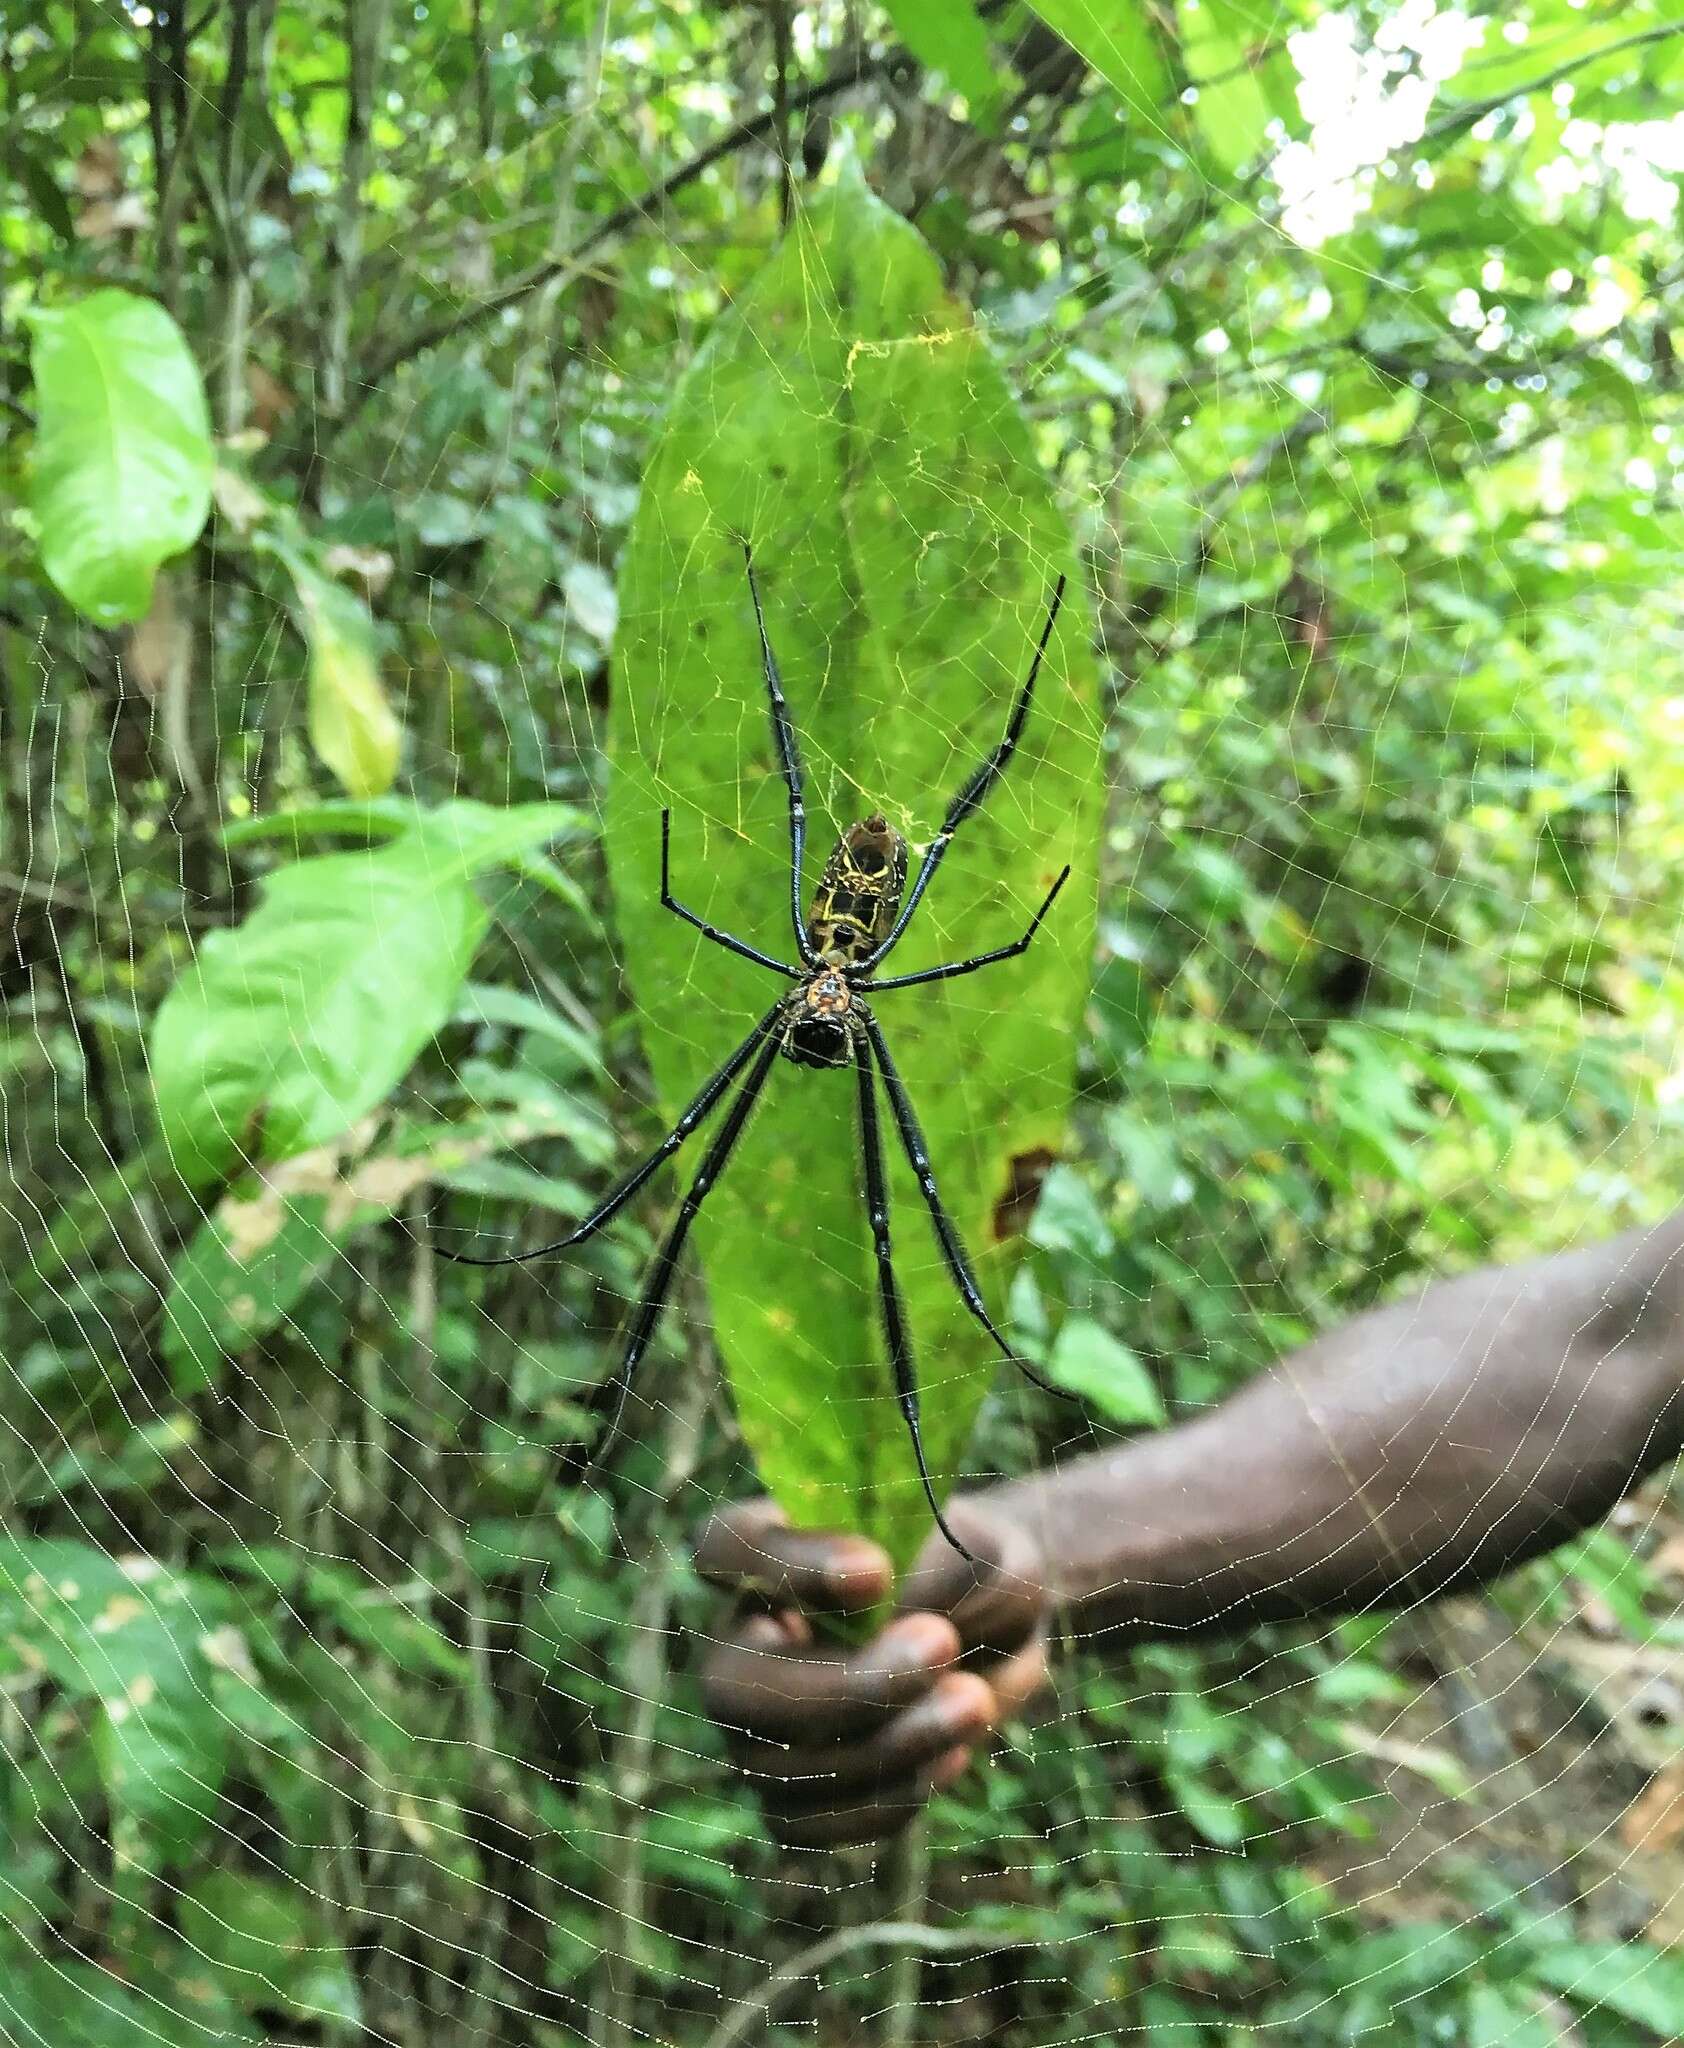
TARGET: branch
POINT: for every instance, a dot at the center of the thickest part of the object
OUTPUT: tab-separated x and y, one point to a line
1475	112
853	71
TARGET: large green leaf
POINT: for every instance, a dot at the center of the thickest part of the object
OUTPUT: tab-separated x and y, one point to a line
272	1236
948	35
1236	55
123	455
848	418
269	1944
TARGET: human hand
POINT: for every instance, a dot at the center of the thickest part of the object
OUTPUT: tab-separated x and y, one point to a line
847	1744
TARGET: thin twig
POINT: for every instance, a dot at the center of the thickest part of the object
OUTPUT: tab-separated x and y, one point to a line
365	36
1476	110
739	2025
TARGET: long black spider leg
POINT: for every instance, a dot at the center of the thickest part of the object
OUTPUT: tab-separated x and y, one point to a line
947	1235
659	1282
981	782
894	1320
704	1100
709	931
970	966
789	759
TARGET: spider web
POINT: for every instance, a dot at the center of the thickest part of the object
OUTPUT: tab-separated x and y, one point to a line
329	1717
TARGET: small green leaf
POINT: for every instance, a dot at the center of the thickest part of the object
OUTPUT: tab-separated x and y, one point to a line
130	1634
285	1030
1237	58
268	1943
948	36
1634	1979
353	728
1218	1818
1089	1362
123	455
1119	39
249	1263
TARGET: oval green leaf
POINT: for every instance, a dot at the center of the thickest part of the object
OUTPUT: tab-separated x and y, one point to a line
848	418
123	455
285	1030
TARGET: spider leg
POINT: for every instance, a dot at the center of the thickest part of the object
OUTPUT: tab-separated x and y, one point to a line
658	1285
704	1100
789	760
947	1236
977	960
981	782
894	1320
709	931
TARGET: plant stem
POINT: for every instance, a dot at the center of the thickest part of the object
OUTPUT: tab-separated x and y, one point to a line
906	1886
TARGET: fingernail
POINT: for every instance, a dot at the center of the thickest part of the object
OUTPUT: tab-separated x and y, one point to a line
857	1570
951	1764
919	1639
967	1705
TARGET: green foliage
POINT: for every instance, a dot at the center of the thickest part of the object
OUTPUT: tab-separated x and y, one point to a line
123	452
1123	43
280	1034
327	1717
902	634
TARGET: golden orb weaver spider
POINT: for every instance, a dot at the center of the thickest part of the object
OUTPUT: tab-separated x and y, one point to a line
860	913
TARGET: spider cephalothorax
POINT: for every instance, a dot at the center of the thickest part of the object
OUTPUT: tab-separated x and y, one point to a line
820	1021
860	910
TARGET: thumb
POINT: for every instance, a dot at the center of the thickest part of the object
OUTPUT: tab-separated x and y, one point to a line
996	1603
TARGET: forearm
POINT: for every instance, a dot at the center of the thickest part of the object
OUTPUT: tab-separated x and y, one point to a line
1434	1442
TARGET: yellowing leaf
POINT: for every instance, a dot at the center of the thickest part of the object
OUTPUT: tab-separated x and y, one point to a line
353	728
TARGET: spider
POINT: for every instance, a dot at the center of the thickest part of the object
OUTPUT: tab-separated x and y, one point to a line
860	913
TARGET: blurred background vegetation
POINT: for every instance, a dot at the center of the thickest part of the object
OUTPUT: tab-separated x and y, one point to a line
1347	339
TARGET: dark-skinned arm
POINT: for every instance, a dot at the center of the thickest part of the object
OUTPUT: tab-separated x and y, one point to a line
1433	1443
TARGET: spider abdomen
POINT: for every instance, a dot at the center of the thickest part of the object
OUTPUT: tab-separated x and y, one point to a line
859	892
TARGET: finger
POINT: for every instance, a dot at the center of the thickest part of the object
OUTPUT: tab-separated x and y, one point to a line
1016	1680
751	1550
949	1767
755	1686
958	1710
995	1603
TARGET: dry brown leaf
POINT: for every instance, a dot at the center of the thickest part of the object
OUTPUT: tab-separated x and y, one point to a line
99	168
238	501
1655	1819
161	646
101	219
371	567
271	401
